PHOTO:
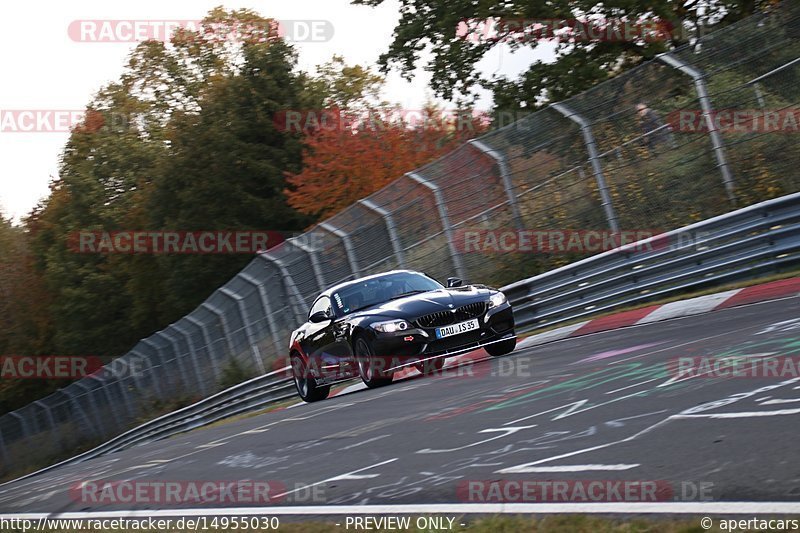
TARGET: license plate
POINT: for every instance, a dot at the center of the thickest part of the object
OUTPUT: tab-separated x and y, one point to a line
455	329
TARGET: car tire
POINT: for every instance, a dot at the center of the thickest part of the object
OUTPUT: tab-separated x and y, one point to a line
306	385
430	367
367	371
501	348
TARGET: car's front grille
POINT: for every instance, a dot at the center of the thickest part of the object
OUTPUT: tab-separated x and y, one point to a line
445	318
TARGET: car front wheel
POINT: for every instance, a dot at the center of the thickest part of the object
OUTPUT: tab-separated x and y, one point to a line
368	368
496	349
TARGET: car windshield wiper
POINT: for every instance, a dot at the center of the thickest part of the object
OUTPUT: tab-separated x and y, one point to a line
409	293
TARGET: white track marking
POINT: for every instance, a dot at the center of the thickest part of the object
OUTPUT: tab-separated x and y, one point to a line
577	468
710	508
522	468
632	386
506	432
347	475
780	400
373	439
743	414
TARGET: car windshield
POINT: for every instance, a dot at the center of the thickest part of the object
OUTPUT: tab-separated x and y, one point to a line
366	293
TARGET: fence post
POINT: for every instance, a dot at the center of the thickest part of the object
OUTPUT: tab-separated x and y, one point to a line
262	292
123	391
50	420
251	338
209	345
505	173
591	148
109	400
77	408
445	219
289	283
160	351
153	373
226	330
312	257
97	420
391	228
348	246
193	354
26	432
705	104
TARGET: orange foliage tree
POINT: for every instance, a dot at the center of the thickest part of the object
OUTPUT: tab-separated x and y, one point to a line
344	164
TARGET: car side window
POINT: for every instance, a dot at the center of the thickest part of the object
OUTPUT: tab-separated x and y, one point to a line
323	304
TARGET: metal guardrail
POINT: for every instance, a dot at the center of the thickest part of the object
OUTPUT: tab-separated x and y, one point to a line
738	245
245	397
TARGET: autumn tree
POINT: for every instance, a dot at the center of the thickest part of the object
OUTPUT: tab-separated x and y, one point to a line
365	152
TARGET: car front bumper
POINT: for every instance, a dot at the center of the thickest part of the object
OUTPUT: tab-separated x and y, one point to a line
411	346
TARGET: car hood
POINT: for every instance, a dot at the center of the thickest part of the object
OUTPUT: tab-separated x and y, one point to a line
423	303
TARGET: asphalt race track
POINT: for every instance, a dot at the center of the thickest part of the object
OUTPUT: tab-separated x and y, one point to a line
608	406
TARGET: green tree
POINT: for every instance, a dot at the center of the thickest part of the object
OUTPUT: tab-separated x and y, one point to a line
431	25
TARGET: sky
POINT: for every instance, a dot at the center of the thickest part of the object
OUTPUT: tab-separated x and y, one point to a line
45	69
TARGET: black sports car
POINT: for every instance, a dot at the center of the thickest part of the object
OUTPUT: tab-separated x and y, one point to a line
377	325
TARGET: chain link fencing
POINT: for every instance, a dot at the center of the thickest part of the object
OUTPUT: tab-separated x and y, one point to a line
587	163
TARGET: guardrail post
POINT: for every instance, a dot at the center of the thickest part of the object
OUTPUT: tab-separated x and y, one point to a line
705	104
251	338
193	354
273	327
505	173
591	148
445	219
391	228
226	330
348	246
207	338
312	257
289	283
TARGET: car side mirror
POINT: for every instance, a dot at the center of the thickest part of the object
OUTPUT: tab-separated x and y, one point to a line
319	316
454	282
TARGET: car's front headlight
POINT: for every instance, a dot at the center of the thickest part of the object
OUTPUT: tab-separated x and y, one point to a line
497	299
390	326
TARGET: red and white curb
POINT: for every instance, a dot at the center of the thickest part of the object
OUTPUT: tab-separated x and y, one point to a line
656	313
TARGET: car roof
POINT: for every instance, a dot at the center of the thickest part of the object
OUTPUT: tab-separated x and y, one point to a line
335	288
